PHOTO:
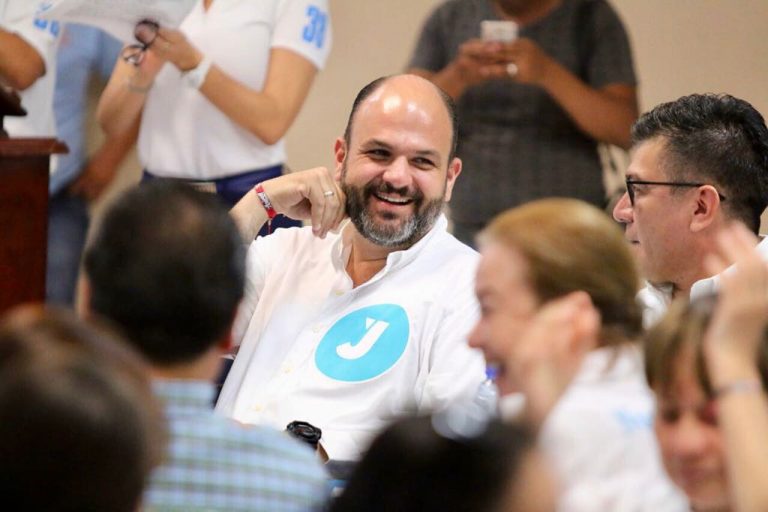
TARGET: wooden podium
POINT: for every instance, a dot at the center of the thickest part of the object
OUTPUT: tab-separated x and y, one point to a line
24	167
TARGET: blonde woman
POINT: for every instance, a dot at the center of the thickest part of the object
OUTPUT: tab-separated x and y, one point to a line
557	285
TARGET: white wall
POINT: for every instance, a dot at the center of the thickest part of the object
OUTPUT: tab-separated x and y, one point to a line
680	46
371	38
685	46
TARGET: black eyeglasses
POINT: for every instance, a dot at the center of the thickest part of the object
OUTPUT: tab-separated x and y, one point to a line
145	33
631	187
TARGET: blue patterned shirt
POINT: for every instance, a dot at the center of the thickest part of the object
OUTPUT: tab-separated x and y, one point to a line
216	464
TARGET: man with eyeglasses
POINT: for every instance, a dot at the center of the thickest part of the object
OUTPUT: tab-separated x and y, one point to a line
698	163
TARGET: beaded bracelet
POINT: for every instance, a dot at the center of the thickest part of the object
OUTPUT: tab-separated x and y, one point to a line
138	89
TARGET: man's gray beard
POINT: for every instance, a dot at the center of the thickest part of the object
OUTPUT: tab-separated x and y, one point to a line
414	228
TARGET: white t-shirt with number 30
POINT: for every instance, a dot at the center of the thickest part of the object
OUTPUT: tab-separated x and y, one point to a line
183	135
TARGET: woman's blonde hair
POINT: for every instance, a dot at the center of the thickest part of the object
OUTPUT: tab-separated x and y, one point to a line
570	245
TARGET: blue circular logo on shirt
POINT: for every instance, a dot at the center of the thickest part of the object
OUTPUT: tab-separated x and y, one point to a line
363	344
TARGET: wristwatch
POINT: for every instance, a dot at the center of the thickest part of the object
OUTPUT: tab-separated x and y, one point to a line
196	76
305	432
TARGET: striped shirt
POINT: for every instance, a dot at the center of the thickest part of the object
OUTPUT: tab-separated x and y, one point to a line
214	463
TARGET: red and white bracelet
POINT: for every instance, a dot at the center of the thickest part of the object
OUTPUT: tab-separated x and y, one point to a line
267	204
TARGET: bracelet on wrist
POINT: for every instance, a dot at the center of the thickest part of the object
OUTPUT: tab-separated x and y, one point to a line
267	204
738	387
139	89
196	76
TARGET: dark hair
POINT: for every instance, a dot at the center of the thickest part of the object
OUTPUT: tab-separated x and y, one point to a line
167	266
79	427
365	92
718	139
683	328
410	467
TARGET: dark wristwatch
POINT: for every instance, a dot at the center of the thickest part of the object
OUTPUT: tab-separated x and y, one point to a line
305	432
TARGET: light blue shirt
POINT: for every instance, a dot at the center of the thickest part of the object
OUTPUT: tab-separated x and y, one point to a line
84	51
216	464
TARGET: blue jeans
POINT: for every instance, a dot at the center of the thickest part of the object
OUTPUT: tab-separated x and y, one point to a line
67	228
232	188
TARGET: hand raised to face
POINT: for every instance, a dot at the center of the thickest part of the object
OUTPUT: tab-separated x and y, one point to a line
550	351
312	195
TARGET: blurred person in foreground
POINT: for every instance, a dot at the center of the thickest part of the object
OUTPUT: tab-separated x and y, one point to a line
79	427
167	267
420	464
557	285
707	362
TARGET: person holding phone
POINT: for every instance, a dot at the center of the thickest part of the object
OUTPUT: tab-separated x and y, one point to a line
533	107
212	100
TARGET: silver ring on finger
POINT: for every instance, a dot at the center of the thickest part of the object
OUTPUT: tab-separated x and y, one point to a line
328	193
512	69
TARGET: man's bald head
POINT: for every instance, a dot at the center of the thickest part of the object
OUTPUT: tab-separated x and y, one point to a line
405	80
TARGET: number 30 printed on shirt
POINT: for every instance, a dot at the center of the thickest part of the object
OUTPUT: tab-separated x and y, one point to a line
314	31
51	26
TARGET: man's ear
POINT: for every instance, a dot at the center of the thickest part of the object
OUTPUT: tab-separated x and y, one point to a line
454	169
340	153
707	210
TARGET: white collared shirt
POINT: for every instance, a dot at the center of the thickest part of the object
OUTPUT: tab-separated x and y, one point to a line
600	440
349	360
655	300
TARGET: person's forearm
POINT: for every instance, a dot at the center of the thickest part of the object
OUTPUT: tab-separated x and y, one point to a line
606	115
122	101
743	418
20	64
249	215
113	150
259	113
268	113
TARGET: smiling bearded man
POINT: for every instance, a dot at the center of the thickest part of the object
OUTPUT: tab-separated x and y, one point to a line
349	330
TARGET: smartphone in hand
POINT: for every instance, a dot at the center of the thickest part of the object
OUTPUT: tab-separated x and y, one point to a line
498	31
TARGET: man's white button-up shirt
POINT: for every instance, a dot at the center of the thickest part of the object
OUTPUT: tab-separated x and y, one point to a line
349	360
